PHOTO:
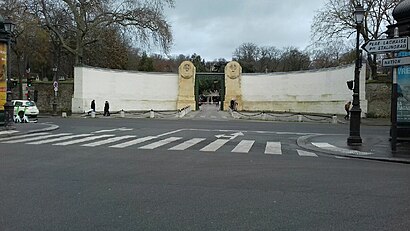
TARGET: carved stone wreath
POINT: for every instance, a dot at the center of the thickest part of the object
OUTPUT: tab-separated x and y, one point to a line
186	70
233	70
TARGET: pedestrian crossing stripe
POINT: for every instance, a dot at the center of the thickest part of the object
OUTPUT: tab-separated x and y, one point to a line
274	148
82	140
107	141
94	140
160	143
244	146
58	139
212	147
35	138
187	144
333	148
23	136
305	153
7	132
133	142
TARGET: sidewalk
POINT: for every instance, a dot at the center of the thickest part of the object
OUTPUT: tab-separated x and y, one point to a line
27	128
372	148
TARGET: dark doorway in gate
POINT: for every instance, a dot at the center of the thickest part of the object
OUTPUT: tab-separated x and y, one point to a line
210	89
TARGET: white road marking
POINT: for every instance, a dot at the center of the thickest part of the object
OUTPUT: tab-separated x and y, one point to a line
36	138
187	144
305	153
143	139
7	132
244	146
115	129
212	147
160	143
107	141
58	139
273	148
82	140
330	147
133	142
24	136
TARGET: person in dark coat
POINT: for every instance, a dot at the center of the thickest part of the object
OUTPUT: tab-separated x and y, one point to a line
347	109
93	105
106	109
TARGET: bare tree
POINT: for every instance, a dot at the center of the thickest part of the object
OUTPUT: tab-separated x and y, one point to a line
335	20
247	55
75	22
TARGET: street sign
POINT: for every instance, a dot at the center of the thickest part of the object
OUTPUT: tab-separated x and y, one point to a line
55	85
396	62
386	45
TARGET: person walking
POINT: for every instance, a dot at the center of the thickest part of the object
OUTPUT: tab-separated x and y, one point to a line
106	109
347	109
93	105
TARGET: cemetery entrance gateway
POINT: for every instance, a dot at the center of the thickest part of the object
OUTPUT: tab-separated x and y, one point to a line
209	88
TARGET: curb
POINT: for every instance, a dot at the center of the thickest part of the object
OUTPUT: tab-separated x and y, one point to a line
304	142
51	127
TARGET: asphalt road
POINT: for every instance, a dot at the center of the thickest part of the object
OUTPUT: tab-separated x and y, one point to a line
146	185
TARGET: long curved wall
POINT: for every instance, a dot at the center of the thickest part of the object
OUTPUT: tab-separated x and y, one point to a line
124	90
321	91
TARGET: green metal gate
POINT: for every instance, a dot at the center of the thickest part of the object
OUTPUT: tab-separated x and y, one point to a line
211	81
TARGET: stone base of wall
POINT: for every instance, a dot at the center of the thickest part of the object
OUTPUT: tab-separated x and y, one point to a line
45	96
322	107
378	96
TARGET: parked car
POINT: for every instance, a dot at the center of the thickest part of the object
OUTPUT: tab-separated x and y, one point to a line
27	107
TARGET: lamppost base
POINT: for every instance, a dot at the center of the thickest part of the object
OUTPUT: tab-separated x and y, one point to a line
354	141
54	109
8	114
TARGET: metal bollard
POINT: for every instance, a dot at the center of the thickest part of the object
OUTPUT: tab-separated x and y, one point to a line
300	118
334	119
151	114
93	114
122	113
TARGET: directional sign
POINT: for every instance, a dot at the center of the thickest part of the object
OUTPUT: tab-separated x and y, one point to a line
396	62
386	45
55	86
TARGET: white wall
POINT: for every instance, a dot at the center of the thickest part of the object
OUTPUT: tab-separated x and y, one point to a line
123	90
322	91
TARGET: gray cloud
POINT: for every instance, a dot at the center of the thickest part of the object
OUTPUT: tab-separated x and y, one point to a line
214	29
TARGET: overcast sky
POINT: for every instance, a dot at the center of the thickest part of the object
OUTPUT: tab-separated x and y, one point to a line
215	28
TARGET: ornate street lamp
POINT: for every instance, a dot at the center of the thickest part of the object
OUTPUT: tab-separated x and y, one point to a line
356	111
6	32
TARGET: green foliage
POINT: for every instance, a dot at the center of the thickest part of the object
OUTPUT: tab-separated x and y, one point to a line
146	63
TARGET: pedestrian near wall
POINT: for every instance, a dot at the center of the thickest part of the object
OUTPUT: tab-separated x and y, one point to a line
347	109
106	109
93	105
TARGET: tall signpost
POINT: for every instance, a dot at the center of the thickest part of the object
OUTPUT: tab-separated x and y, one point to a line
394	45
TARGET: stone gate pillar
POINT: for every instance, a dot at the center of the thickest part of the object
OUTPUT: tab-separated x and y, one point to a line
233	88
186	85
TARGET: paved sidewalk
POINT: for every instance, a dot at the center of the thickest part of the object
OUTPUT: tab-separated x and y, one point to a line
372	148
27	128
